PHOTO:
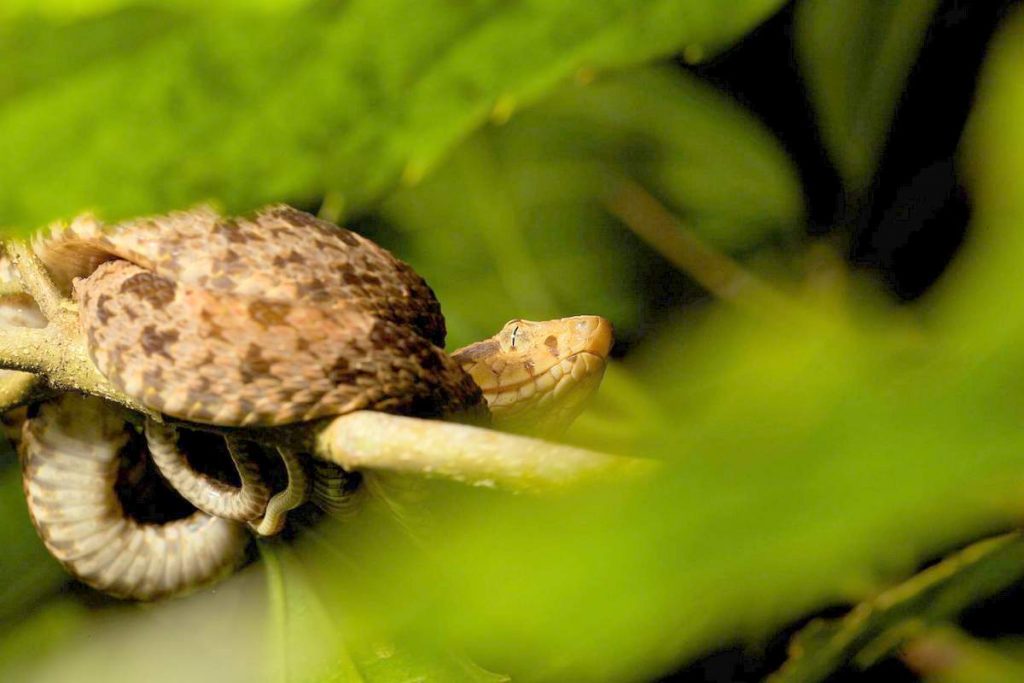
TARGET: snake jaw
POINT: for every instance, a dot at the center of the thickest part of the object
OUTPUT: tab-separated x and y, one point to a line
538	376
548	413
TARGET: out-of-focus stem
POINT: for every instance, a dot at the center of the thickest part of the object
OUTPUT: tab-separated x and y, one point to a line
712	269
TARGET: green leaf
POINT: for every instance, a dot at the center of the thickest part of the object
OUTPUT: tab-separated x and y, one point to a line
977	303
807	465
39	636
182	105
27	572
221	629
855	55
814	466
63	10
886	622
309	641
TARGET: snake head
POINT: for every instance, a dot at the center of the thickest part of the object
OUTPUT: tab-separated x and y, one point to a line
537	376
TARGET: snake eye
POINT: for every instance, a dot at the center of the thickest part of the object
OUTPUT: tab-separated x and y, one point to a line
515	331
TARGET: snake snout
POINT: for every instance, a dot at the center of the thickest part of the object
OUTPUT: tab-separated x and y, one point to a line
595	333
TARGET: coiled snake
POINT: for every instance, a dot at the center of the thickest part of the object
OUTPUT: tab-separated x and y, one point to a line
255	323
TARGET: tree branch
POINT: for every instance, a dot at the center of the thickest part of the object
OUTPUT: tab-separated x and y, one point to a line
36	281
367	440
61	359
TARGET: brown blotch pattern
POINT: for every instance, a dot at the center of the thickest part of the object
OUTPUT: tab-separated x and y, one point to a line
253	364
552	343
260	321
156	341
153	289
478	351
268	313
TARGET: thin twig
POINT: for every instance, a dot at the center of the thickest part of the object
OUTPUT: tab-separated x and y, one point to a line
668	235
56	352
60	358
35	280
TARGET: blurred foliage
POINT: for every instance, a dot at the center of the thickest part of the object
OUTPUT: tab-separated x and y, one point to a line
533	197
69	10
902	616
855	55
153	107
27	569
948	656
813	458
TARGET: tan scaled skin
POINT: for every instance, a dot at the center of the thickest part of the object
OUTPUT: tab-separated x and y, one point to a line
71	452
537	376
266	321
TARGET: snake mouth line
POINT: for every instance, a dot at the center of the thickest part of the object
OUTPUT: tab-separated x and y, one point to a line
553	382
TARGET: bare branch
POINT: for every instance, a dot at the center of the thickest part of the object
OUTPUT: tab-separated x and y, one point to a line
62	359
367	440
36	281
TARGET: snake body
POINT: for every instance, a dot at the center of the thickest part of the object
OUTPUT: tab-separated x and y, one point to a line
71	452
209	494
264	321
261	322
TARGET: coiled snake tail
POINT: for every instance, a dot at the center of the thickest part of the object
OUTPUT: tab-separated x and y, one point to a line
73	447
210	495
296	493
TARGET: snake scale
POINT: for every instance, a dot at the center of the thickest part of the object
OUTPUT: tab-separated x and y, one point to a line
264	321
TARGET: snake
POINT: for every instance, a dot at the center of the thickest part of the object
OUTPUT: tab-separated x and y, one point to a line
264	321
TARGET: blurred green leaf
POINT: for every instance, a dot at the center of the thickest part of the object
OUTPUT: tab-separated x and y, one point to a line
947	656
516	222
855	55
886	622
819	464
809	465
247	107
977	303
27	572
309	642
217	635
65	10
39	637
